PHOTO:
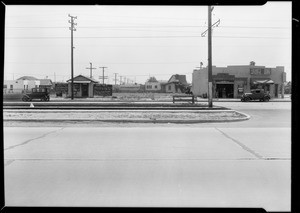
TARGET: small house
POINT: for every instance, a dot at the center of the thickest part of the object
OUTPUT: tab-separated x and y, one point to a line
176	84
83	86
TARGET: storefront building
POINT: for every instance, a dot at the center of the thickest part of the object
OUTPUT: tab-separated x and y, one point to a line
233	81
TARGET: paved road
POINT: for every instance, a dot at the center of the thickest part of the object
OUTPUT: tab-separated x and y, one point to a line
262	114
198	165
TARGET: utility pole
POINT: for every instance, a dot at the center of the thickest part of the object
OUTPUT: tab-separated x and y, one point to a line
210	91
121	80
116	78
103	77
91	68
72	28
210	104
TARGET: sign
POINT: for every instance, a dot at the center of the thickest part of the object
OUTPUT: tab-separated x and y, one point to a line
240	90
260	71
223	77
61	88
103	89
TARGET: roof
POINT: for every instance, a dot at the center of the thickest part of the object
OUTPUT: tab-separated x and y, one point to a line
178	78
83	79
27	78
46	82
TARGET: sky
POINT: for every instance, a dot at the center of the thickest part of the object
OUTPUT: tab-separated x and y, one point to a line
138	42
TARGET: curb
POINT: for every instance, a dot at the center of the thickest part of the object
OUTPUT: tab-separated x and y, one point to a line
127	121
118	110
246	117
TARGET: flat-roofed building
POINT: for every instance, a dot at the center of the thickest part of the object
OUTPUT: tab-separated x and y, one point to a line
233	81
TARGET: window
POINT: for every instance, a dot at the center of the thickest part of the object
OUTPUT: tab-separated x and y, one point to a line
11	87
155	86
170	87
149	87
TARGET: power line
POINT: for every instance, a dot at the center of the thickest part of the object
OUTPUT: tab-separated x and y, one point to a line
118	37
147	27
130	63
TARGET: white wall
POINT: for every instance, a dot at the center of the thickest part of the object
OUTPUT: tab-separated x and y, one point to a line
153	84
18	85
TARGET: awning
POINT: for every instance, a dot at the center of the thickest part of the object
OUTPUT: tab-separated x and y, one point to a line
263	82
270	82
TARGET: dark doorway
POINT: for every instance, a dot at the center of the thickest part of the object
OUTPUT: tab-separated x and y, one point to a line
224	90
276	90
85	90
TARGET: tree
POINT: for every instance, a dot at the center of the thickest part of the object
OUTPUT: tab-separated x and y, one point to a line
252	63
152	79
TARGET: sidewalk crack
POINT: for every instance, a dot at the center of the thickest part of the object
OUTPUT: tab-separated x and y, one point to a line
243	146
28	141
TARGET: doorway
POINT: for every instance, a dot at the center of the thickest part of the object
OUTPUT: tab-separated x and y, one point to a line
85	90
224	90
276	90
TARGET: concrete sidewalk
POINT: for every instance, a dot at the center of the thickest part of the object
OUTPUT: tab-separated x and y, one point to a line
148	167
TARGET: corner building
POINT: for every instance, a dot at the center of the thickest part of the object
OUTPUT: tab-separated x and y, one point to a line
233	81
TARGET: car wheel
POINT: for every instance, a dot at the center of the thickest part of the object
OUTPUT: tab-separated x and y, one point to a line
247	99
24	98
266	99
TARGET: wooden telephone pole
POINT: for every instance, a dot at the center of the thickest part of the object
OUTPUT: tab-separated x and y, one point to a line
103	77
210	91
116	78
91	68
72	28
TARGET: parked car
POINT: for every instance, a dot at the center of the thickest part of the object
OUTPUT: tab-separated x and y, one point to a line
37	93
256	94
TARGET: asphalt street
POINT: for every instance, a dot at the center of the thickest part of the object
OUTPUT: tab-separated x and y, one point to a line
240	164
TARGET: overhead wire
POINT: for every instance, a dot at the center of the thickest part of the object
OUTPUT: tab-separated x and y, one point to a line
120	37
